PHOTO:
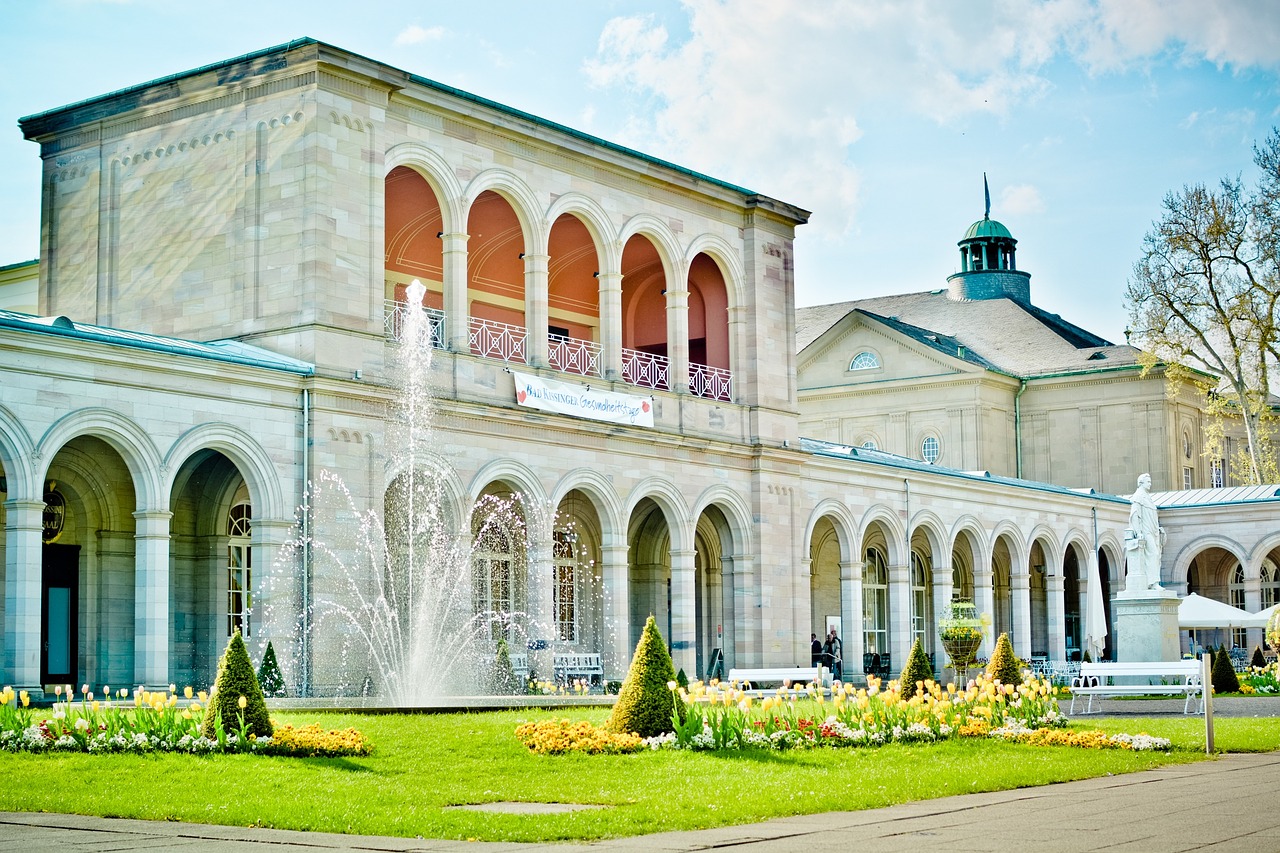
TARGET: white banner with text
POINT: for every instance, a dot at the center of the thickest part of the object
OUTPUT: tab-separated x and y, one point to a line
582	401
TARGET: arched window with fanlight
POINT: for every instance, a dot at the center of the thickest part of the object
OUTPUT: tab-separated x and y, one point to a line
239	569
492	581
1270	583
1236	589
921	601
865	360
565	599
875	602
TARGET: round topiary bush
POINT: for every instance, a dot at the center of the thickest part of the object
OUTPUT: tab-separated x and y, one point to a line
917	671
1003	666
1224	675
645	702
236	679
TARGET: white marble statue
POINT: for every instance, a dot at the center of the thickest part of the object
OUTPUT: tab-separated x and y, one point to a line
1143	541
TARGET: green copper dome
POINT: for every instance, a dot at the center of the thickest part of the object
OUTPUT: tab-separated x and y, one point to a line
987	227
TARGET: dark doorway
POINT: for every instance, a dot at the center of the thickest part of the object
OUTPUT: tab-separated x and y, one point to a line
60	614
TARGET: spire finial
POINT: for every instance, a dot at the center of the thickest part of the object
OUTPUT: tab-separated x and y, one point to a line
986	192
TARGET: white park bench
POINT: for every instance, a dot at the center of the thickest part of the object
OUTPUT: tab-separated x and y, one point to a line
1180	677
570	666
750	680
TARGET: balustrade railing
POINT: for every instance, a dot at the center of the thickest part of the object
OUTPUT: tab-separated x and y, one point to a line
714	383
396	314
573	355
645	369
491	339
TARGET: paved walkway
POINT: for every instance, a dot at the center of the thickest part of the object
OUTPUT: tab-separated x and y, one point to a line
1228	804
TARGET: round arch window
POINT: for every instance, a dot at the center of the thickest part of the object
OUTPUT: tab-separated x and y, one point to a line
865	360
930	449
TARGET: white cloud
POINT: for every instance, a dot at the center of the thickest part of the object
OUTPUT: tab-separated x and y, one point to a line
782	90
414	34
1020	200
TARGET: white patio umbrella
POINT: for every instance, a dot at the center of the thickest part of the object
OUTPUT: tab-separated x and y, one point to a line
1265	615
1095	617
1196	611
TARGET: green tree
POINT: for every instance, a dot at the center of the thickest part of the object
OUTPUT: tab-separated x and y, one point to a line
236	679
918	669
1003	666
1223	674
504	674
269	675
645	702
1203	303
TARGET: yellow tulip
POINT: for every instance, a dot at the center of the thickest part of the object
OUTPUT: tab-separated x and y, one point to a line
204	697
95	706
186	691
242	702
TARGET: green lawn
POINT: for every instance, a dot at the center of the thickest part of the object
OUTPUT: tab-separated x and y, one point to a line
425	763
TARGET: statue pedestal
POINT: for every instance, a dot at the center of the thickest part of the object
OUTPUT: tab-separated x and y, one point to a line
1146	628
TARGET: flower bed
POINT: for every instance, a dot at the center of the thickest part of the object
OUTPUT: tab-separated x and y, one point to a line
557	737
157	722
722	717
1261	680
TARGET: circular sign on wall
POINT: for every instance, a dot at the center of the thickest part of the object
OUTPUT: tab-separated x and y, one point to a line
55	515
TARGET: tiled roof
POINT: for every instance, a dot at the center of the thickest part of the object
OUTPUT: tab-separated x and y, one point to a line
1000	334
1211	497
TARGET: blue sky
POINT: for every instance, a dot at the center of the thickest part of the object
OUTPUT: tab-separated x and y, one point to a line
880	117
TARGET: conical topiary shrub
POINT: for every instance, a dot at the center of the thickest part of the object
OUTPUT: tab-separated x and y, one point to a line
1003	666
270	678
645	702
1259	659
918	669
1224	675
235	679
505	682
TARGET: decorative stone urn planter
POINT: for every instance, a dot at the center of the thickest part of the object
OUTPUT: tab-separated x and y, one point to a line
961	634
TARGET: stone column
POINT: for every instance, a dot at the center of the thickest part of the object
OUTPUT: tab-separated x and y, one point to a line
729	612
678	339
1253	603
1020	604
617	613
742	638
535	308
899	616
23	563
278	610
540	578
942	591
851	617
457	303
684	615
151	599
611	325
984	599
1057	627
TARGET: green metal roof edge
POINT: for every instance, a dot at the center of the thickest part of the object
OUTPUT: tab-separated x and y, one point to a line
298	368
907	464
19	265
169	78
